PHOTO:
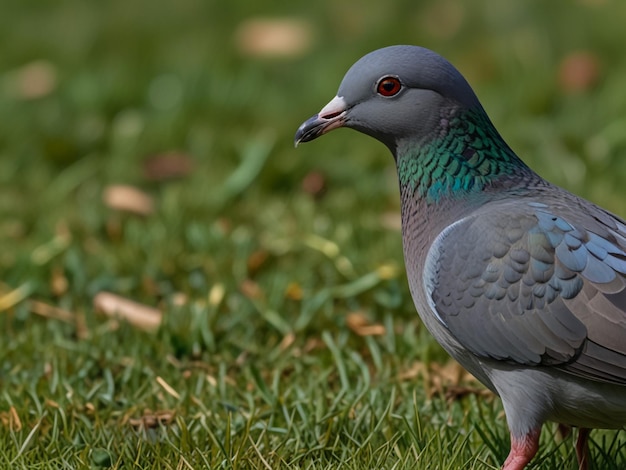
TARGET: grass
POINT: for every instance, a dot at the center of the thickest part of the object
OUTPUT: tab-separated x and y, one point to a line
257	363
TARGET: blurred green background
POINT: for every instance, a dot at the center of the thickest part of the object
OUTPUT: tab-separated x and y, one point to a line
255	253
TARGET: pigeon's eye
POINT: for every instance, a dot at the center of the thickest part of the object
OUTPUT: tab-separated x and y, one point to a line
388	86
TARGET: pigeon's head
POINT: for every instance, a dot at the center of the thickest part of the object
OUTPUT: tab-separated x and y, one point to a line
392	94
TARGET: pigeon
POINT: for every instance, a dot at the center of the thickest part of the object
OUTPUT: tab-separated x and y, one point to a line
520	281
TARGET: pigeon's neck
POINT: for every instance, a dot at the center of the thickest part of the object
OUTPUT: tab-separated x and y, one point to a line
464	158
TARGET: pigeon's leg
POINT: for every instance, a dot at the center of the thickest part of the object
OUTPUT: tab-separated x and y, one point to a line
523	449
582	448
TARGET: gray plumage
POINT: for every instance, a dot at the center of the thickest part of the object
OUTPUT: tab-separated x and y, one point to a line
521	281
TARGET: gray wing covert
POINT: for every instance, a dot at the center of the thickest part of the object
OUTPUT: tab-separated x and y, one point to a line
522	284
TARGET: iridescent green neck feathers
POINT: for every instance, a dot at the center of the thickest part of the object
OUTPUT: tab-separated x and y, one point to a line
465	156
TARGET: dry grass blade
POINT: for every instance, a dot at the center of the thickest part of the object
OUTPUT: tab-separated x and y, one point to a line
167	387
50	311
15	296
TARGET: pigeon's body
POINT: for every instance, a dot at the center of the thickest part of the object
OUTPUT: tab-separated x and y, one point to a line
520	281
528	347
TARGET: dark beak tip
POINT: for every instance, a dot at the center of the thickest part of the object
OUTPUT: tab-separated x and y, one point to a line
307	130
332	116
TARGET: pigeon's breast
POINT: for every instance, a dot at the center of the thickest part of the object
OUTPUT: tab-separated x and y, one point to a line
423	229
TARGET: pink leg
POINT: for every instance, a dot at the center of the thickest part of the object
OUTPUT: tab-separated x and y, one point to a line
582	448
522	450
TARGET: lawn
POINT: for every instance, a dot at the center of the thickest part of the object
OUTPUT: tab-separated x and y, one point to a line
147	159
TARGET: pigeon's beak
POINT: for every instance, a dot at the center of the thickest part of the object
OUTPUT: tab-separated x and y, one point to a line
332	116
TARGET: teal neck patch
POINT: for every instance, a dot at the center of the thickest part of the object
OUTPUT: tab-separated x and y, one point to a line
466	155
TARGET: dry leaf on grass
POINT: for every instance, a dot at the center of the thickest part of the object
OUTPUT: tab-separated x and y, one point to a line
274	37
139	315
251	289
128	199
360	324
256	260
58	282
287	341
167	166
449	379
33	80
153	419
90	409
450	376
310	345
52	404
416	370
179	299
454	393
294	291
11	420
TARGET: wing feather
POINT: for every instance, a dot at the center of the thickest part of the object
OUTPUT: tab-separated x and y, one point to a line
536	284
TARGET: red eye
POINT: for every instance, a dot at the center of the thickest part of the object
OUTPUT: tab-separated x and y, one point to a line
388	86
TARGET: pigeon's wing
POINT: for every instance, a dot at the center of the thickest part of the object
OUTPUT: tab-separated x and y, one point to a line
535	284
